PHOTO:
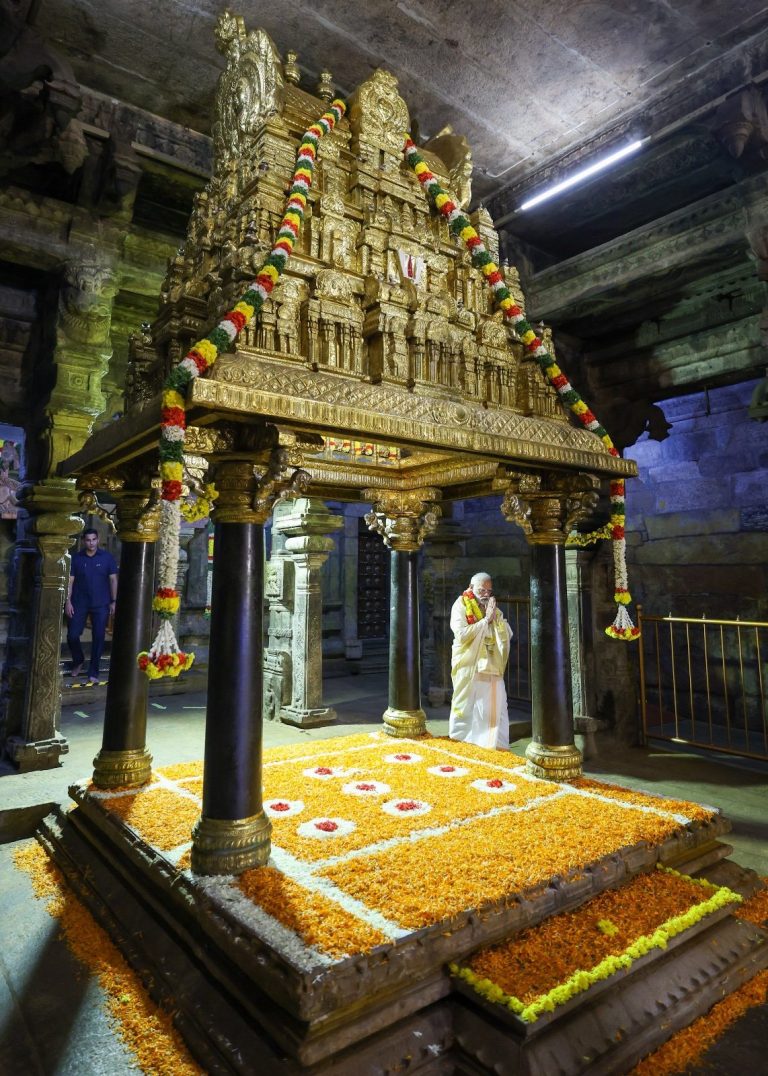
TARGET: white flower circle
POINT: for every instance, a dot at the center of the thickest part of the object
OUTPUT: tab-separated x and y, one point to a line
403	807
402	758
324	773
280	808
493	785
448	770
366	788
326	828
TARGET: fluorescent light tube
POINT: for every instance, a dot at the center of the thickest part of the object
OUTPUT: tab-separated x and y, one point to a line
590	170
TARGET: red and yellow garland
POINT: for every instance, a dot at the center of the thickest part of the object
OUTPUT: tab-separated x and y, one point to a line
472	608
164	658
460	226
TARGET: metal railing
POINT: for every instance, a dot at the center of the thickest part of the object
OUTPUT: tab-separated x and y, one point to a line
518	674
703	682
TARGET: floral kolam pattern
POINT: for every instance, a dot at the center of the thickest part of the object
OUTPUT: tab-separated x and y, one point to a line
164	658
461	227
354	823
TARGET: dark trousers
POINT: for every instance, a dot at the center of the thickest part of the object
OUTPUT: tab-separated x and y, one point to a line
99	618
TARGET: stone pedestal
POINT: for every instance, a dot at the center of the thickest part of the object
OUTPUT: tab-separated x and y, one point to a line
547	507
32	700
404	518
124	759
305	524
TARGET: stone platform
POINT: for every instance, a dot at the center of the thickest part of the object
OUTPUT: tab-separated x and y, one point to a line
250	996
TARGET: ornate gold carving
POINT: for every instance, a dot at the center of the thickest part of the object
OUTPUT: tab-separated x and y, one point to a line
454	150
248	489
561	763
122	769
206	440
403	517
548	506
378	116
291	68
89	502
324	88
405	723
250	89
230	846
138	515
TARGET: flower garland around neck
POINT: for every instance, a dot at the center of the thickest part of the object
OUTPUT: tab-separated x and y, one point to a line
165	658
460	226
472	607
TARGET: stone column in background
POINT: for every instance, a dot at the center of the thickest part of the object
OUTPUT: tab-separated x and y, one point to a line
404	518
32	700
353	647
124	759
306	524
579	584
547	506
443	548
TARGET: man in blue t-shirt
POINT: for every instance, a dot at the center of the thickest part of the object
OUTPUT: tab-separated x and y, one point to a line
92	589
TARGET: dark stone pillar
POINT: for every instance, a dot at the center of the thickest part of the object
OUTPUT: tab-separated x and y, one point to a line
124	759
552	706
233	833
547	507
403	518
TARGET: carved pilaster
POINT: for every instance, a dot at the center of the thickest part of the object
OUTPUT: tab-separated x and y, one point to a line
32	700
547	506
306	524
403	518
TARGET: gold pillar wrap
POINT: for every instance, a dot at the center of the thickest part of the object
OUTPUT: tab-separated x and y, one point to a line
138	520
122	769
547	507
405	724
230	845
558	763
403	518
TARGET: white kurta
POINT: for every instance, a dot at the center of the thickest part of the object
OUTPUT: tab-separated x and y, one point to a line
479	706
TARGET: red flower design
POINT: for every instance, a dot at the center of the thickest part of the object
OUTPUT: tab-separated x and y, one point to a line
447	769
364	787
280	806
403	758
327	826
408	805
323	770
495	783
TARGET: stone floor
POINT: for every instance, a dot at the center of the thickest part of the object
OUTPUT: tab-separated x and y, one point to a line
51	1020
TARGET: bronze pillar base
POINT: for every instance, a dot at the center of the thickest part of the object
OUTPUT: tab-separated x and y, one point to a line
553	763
230	845
405	723
129	768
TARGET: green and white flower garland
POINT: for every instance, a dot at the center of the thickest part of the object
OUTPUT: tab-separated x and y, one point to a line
164	658
460	226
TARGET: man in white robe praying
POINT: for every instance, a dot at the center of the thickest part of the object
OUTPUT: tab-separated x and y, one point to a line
480	653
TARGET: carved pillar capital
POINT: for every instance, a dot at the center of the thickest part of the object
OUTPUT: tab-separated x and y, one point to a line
548	506
249	487
403	517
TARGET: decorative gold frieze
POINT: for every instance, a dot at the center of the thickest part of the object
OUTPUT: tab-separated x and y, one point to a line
248	489
553	763
230	846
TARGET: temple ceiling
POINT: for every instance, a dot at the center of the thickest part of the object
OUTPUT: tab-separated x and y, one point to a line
527	82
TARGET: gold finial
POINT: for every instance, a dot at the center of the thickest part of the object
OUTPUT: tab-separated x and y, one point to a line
324	87
291	67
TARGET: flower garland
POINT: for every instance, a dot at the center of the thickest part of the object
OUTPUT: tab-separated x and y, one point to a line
582	980
202	505
460	226
472	607
164	658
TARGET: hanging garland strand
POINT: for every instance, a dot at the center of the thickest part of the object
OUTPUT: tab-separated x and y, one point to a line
460	226
164	658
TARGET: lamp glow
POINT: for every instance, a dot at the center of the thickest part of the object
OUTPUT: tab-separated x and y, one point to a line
584	173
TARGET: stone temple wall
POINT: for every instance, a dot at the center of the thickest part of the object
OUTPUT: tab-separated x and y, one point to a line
697	516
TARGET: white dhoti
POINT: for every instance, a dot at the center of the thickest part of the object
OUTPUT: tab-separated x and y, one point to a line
479	712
